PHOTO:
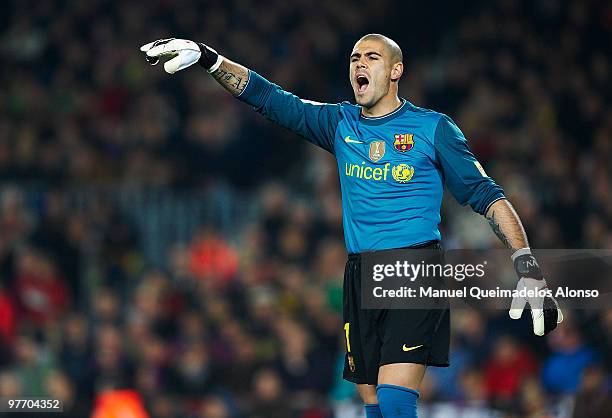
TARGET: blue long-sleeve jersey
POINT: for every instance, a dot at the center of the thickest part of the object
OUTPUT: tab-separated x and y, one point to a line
392	168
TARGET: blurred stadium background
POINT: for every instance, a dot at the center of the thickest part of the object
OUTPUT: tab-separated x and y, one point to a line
156	235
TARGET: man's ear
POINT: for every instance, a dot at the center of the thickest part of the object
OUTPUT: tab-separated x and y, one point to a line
397	70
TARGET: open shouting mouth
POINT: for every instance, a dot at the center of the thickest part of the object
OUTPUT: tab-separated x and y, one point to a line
362	81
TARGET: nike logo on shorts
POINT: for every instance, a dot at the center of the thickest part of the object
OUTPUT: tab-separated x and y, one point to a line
411	348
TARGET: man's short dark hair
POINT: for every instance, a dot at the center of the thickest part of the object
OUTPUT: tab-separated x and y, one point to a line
392	46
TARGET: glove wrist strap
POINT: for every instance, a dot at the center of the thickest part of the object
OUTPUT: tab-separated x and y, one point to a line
526	265
520	252
216	65
209	58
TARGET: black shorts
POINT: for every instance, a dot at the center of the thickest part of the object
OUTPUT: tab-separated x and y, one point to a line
375	337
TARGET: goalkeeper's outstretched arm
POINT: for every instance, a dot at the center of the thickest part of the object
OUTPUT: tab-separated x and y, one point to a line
314	121
232	76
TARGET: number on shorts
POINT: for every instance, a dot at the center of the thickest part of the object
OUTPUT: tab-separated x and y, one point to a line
348	342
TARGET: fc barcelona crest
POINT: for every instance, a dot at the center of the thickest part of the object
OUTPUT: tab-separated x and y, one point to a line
377	150
403	142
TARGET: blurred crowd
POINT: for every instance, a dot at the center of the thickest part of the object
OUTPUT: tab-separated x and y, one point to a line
248	324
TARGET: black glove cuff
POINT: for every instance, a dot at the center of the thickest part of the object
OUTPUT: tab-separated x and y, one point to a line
209	56
527	266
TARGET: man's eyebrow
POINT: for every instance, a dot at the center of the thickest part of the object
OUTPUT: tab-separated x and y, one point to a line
358	54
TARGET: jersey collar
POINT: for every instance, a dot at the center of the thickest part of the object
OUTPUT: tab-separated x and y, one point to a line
379	120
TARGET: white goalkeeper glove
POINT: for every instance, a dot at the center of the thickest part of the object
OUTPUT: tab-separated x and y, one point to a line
545	311
183	54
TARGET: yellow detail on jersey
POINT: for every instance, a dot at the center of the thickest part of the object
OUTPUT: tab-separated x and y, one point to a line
402	173
366	172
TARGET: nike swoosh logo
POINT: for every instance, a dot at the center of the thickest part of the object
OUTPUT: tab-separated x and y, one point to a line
411	348
348	140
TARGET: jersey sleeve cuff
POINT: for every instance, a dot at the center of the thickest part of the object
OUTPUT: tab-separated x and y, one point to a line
494	199
256	91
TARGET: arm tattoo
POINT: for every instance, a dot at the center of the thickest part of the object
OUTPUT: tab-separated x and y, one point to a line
498	231
233	77
507	225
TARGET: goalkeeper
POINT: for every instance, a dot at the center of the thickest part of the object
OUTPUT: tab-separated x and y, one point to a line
394	160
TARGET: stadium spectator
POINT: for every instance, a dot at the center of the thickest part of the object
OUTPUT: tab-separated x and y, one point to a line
562	371
267	396
507	369
593	394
